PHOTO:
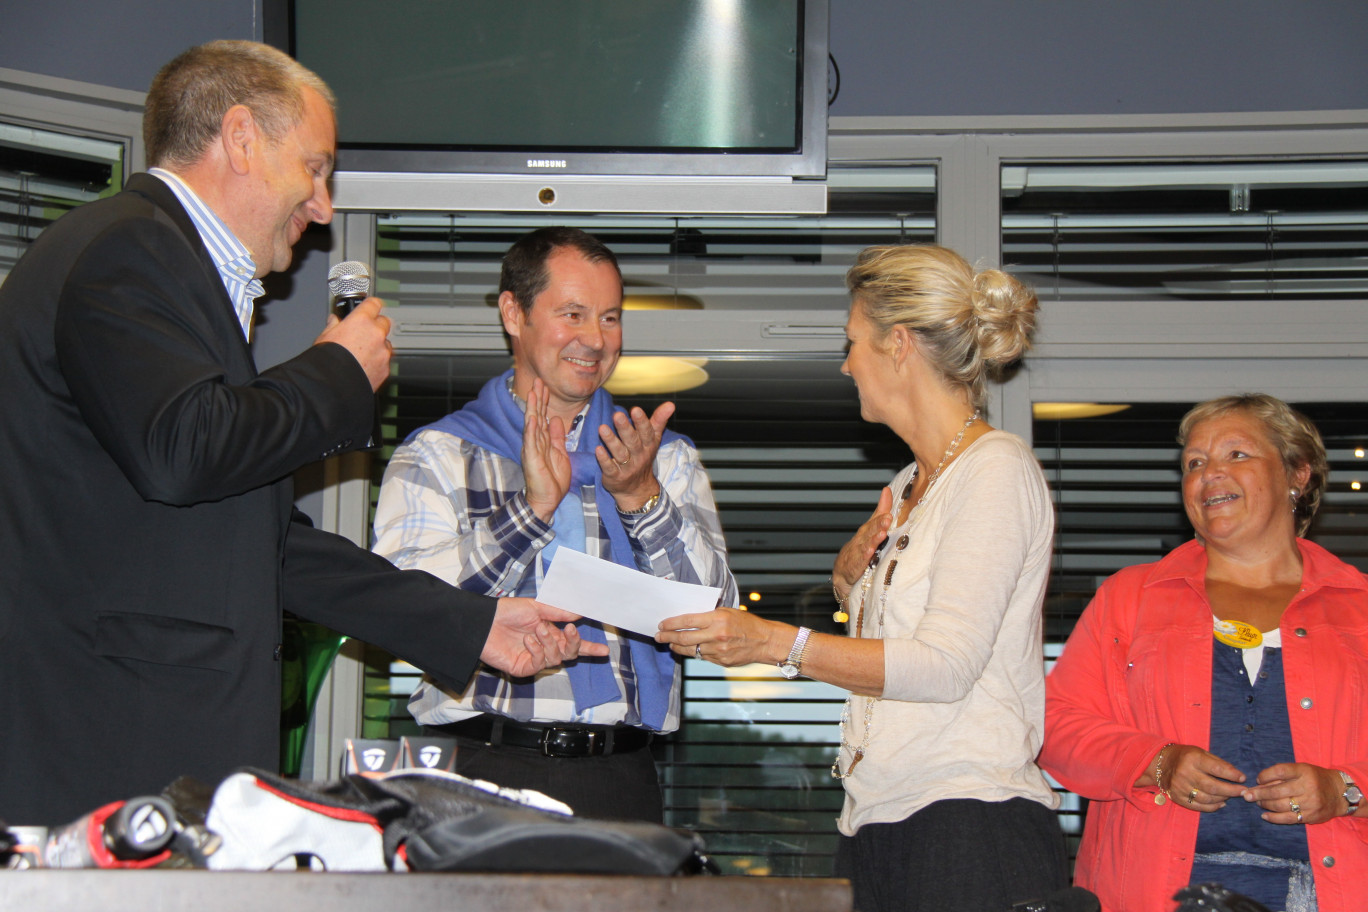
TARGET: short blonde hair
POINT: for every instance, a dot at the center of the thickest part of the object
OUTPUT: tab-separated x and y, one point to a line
969	324
189	96
1293	435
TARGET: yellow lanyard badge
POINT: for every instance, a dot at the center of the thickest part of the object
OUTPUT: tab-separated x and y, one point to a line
1237	634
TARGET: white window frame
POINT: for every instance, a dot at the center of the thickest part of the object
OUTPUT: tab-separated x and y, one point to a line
82	108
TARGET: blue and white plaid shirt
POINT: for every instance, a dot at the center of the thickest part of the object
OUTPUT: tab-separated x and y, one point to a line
459	512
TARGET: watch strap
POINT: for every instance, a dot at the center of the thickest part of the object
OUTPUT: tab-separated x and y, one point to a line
795	656
1352	794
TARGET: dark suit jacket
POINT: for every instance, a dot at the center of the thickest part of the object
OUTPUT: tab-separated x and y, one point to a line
148	542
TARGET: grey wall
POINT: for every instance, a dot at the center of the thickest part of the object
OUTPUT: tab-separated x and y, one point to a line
989	57
120	44
896	57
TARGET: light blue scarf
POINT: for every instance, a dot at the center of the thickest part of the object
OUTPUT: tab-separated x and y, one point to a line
494	421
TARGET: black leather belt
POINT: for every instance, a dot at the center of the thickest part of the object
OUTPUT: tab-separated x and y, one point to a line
563	740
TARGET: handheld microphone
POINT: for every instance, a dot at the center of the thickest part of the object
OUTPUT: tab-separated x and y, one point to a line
350	284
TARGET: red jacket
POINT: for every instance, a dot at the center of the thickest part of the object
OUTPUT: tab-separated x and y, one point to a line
1136	674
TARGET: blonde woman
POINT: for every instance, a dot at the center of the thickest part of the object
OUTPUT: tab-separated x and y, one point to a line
941	590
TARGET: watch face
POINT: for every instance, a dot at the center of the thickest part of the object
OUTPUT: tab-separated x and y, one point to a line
1353	794
788	671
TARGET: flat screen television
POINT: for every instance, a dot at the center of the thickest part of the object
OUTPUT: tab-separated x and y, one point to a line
650	87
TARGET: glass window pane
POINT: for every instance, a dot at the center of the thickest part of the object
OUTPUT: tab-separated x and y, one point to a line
1188	231
43	175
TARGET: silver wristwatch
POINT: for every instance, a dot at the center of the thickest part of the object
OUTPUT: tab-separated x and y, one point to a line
793	665
1352	793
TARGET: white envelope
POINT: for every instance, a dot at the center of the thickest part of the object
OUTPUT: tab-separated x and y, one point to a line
617	595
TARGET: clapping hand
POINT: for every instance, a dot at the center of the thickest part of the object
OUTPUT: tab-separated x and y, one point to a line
545	463
628	452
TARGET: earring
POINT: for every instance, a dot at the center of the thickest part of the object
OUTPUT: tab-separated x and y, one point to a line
1294	494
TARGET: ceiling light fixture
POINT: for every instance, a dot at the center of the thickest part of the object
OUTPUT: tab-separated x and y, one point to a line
1065	411
641	375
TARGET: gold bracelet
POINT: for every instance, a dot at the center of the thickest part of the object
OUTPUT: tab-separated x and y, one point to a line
644	508
1159	775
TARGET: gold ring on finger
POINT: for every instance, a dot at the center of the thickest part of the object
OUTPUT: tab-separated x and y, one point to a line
1192	796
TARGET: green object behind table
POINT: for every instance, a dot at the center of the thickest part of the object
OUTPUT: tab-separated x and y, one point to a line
307	652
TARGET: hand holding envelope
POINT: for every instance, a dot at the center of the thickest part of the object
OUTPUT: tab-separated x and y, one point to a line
612	594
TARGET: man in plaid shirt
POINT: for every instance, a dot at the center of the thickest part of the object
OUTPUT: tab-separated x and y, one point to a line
542	460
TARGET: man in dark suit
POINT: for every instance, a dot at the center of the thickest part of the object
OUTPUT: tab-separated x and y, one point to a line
148	542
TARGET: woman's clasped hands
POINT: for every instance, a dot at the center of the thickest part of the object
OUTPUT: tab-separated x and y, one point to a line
1289	793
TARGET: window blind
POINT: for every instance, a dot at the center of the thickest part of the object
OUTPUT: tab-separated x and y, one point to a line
43	175
1188	230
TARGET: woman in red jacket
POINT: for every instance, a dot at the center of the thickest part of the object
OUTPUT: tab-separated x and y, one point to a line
1212	705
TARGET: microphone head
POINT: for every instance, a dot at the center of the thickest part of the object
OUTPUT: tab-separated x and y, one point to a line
349	280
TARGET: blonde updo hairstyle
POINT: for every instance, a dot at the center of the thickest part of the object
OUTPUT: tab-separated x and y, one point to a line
968	324
1296	439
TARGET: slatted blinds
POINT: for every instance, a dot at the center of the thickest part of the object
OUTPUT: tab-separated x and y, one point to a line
1192	231
45	174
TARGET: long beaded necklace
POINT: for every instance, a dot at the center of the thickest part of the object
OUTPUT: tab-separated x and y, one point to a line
865	579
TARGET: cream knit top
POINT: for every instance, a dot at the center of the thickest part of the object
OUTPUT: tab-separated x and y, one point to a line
962	715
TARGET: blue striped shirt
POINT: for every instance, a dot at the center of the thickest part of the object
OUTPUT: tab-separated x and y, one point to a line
234	261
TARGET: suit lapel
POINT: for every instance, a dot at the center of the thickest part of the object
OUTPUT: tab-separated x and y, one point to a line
155	191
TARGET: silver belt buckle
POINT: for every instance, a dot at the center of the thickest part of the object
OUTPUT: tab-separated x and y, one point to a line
552	746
